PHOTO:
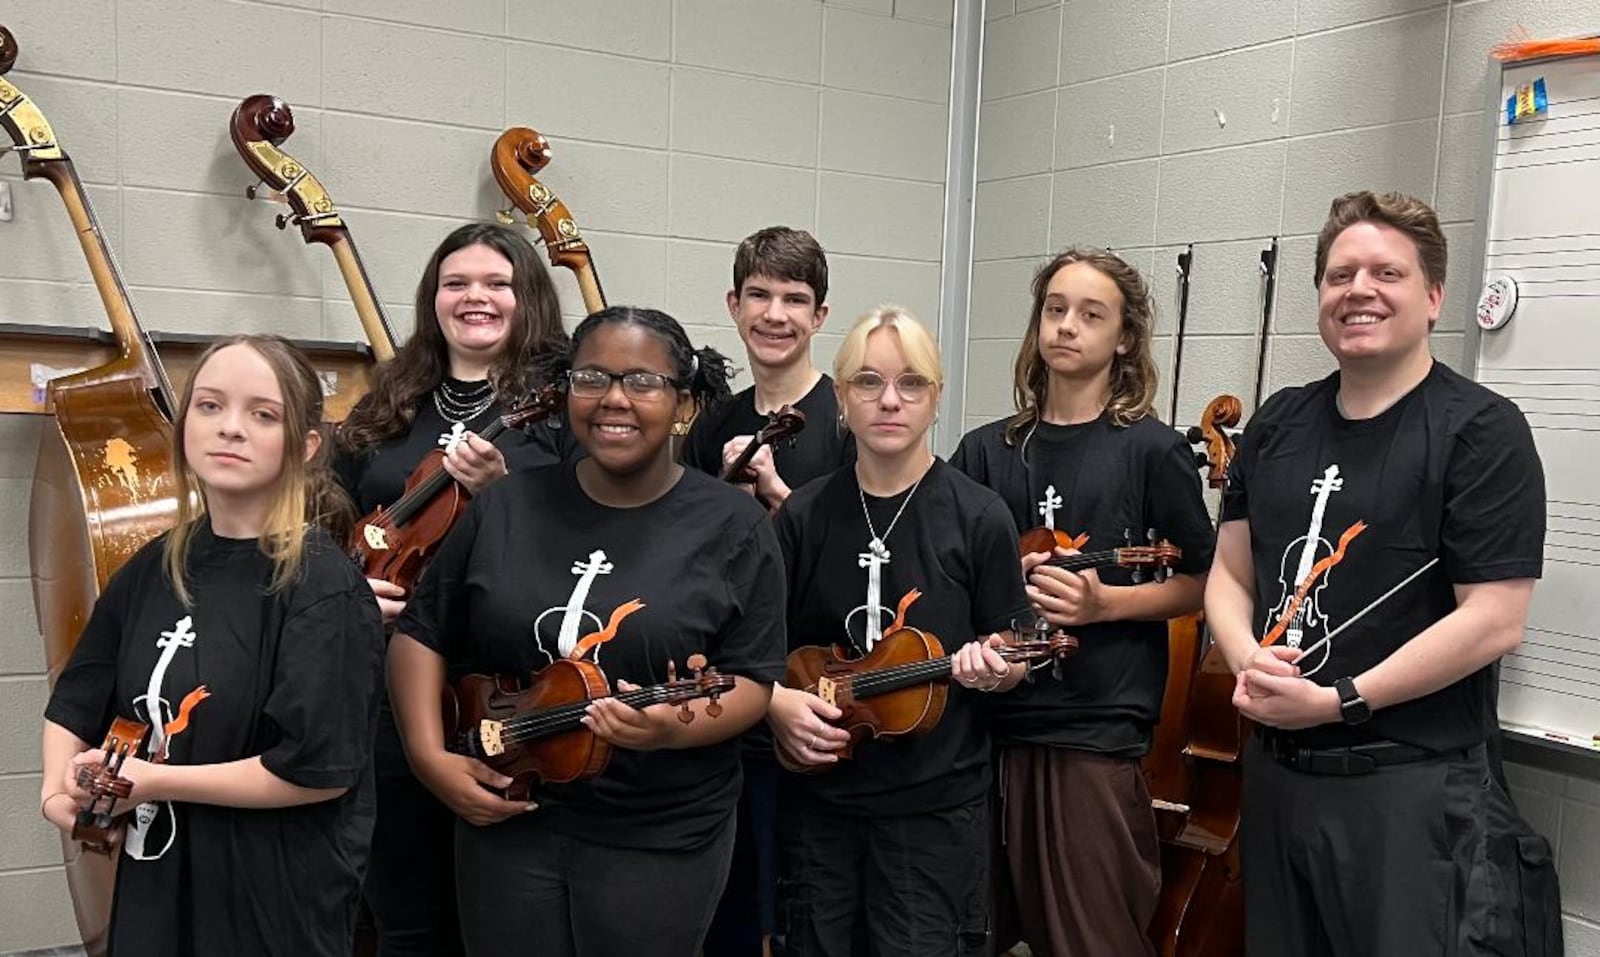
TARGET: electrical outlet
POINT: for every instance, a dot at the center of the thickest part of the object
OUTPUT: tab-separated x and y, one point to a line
5	202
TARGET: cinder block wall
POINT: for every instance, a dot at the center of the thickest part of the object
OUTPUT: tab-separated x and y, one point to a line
1146	124
677	127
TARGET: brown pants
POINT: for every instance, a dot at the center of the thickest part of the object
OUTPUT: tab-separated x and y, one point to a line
1078	869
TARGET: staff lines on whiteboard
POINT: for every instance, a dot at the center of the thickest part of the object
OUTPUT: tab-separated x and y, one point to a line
1533	236
1588	265
1565	162
1508	676
1531	665
1547	143
1577	685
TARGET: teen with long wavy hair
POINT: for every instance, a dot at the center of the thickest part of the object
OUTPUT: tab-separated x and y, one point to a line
1083	454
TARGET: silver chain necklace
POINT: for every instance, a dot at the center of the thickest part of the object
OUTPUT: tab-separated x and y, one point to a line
462	406
873	560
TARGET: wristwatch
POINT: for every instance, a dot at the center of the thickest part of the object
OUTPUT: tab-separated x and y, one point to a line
1352	707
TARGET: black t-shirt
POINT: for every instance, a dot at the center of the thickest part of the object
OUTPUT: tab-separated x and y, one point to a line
292	677
818	449
955	543
377	475
696	571
1450	471
1111	482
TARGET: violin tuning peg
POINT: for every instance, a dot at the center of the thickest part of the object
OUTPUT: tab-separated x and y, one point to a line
697	663
672	671
684	714
714	709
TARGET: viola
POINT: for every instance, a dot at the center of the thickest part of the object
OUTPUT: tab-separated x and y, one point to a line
535	733
899	687
517	155
259	126
785	423
102	483
395	541
96	827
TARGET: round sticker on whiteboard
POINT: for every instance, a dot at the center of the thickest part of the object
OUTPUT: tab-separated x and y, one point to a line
1498	302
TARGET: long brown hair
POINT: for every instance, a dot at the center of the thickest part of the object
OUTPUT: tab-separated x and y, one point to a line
1133	371
306	493
390	406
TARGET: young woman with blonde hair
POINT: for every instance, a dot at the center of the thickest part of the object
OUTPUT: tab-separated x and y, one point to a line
252	648
891	845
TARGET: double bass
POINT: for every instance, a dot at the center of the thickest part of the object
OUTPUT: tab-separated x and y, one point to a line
102	484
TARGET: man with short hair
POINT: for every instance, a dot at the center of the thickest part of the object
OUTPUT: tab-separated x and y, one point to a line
1381	533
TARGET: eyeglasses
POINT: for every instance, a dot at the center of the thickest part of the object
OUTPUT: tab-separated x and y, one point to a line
868	386
594	383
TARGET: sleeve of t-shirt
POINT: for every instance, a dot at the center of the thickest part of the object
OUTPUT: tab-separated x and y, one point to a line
324	696
1177	508
1236	494
697	453
968	458
997	590
1494	500
84	698
753	642
436	615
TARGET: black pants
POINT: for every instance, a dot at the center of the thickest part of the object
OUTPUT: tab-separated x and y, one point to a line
410	886
1427	859
916	884
526	890
748	909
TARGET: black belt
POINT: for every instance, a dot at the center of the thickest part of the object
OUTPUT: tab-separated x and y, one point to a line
1343	762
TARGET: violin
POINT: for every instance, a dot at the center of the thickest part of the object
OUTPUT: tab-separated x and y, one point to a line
96	828
785	423
258	128
899	687
394	542
536	734
1159	557
517	155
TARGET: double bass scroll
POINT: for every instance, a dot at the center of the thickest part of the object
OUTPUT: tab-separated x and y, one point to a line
518	154
259	126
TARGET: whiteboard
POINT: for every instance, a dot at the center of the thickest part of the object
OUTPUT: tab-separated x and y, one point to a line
1539	224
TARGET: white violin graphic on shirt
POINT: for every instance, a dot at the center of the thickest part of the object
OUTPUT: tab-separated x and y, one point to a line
1300	611
158	713
574	616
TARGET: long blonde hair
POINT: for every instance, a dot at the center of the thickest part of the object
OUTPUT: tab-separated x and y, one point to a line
1133	371
306	491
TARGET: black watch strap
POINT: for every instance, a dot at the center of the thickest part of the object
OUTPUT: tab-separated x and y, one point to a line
1353	708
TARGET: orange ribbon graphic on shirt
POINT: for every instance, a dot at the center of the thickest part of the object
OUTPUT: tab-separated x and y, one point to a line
181	723
906	601
596	638
1304	588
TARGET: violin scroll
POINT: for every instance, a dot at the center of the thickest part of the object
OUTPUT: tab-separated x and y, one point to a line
706	683
8	51
518	154
544	403
96	827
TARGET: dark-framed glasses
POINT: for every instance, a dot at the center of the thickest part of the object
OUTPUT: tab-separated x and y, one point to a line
594	383
868	386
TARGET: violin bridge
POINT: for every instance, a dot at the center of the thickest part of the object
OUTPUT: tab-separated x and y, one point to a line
827	690
489	738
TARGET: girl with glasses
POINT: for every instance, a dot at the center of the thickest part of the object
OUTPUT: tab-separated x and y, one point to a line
251	648
1084	455
626	560
486	318
892	843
